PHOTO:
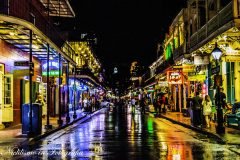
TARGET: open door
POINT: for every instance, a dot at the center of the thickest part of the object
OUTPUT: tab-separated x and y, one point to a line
7	108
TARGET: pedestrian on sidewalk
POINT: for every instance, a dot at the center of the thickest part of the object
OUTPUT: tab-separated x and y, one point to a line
220	99
158	105
42	103
133	103
207	109
197	105
164	102
143	105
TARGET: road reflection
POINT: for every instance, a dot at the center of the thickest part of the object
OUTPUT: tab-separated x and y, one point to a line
123	135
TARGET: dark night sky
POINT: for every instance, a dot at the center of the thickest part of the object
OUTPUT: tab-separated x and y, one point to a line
127	30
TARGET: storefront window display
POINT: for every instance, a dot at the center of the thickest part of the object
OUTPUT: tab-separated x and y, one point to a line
76	93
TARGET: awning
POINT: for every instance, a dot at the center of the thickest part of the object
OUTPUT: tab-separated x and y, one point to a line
17	32
59	8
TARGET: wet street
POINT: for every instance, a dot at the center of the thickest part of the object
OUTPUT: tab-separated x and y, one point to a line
123	135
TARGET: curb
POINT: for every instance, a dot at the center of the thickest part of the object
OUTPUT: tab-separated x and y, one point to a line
235	151
210	134
45	134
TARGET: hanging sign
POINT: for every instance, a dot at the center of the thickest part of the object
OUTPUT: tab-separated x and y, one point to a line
82	87
174	77
21	63
201	60
197	77
188	68
53	68
162	84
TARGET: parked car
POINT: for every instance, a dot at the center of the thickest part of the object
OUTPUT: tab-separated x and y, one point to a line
234	118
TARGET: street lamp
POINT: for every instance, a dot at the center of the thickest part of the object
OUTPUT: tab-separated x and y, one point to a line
217	53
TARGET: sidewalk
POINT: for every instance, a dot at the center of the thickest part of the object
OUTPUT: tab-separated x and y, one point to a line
13	136
231	136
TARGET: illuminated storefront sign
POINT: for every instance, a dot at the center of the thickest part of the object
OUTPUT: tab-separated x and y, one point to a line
82	87
197	77
162	83
186	67
201	60
204	90
53	68
168	51
150	89
174	77
232	58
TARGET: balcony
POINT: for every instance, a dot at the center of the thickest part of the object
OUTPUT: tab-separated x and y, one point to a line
58	8
20	15
218	23
178	52
165	65
86	73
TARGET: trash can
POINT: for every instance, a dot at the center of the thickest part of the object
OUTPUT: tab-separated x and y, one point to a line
36	118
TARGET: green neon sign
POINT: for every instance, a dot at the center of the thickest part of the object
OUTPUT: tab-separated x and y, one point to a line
51	73
168	51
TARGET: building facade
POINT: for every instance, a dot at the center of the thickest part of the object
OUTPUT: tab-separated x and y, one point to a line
187	65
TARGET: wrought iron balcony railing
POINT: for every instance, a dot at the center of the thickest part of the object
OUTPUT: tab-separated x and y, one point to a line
219	20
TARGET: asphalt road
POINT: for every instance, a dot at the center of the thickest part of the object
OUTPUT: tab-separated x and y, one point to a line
123	135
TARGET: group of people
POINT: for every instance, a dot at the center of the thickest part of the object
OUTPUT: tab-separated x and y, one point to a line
202	110
161	103
142	103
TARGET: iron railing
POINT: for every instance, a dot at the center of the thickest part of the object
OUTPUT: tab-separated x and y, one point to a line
222	18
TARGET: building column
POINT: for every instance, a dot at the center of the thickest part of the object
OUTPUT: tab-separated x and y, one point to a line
60	121
68	98
30	132
48	126
74	94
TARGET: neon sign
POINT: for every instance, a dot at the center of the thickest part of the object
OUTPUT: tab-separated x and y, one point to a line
53	68
52	64
174	77
83	88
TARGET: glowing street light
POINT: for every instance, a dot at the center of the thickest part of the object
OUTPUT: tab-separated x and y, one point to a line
216	53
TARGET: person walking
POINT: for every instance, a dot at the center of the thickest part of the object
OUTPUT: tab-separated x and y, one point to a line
222	99
133	103
158	105
196	109
164	102
142	105
207	109
220	103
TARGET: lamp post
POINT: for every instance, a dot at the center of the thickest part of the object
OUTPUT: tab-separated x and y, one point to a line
217	53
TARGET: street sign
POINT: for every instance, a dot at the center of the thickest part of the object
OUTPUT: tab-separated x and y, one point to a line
215	70
21	63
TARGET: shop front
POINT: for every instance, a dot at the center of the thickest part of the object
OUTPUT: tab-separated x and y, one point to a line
85	91
175	81
25	73
14	82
